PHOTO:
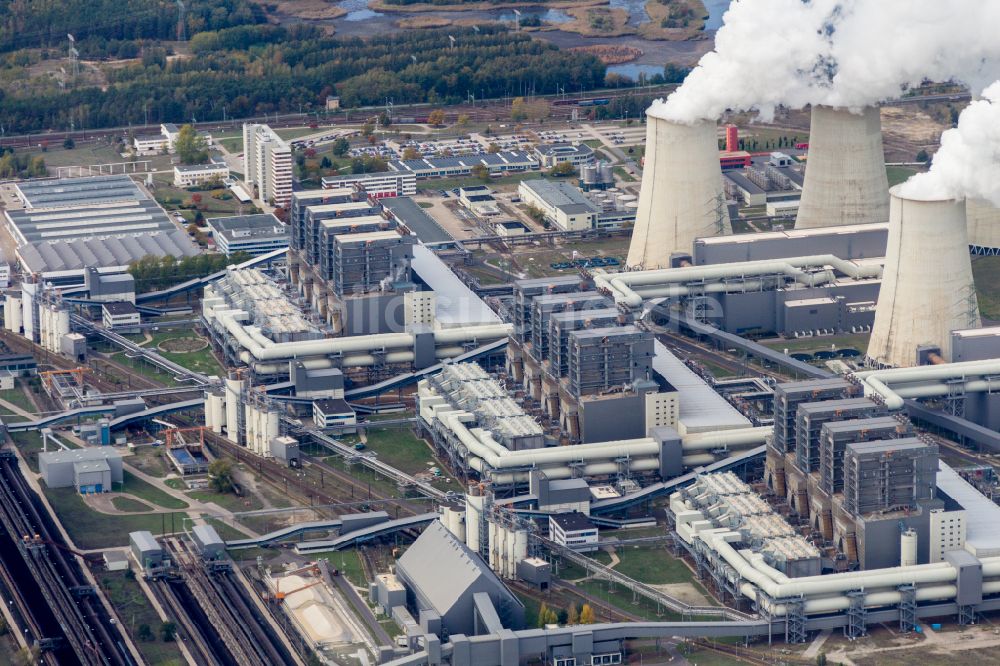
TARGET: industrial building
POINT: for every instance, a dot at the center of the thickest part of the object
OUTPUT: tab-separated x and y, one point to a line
469	600
91	470
145	550
566	208
501	163
408	215
267	164
376	185
681	196
252	234
120	316
551	154
104	222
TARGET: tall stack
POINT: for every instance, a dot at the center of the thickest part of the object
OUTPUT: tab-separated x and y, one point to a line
845	180
927	288
681	196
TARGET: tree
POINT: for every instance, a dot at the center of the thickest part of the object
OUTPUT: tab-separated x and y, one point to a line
341	146
573	615
493	149
145	633
922	156
518	111
411	153
69	143
463	119
168	631
543	612
220	476
562	169
481	171
190	146
367	129
587	615
436	117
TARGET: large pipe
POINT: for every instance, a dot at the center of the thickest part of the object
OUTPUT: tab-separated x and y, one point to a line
879	382
624	286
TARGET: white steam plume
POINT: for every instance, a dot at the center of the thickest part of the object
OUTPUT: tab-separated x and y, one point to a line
968	163
843	53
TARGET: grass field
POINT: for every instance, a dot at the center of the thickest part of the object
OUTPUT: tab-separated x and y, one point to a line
89	529
146	491
30	445
135	610
898	174
652	565
348	562
129	505
201	360
859	342
225	530
17	396
227	501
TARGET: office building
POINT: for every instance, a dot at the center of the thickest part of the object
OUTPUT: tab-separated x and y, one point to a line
267	164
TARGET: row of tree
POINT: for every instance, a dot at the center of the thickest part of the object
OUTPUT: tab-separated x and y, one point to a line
16	165
253	70
152	273
572	615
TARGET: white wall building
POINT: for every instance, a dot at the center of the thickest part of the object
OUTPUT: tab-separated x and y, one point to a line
150	144
196	174
563	205
573	530
378	185
268	164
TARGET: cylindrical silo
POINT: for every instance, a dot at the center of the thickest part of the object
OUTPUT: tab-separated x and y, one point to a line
908	548
520	551
273	429
208	411
62	323
681	195
218	412
927	287
12	313
845	181
233	389
473	520
984	226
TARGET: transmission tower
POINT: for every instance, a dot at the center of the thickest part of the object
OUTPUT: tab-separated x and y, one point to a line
181	21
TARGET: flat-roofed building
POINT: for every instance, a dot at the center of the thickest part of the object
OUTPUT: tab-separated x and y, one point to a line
563	205
447	167
252	234
551	154
378	185
199	174
121	316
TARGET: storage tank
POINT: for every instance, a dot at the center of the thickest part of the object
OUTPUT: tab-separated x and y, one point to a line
209	423
681	195
845	180
473	519
62	325
605	173
519	551
273	430
218	412
588	174
234	388
12	313
927	287
908	548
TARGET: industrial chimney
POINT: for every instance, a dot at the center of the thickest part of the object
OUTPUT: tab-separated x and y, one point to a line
845	179
681	195
984	226
927	288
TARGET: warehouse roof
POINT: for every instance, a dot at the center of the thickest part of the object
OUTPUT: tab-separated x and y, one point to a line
78	455
981	514
701	408
456	304
560	195
63	255
60	192
413	217
242	227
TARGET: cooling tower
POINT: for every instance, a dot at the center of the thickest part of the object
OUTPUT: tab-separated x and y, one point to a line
927	288
681	194
845	180
984	226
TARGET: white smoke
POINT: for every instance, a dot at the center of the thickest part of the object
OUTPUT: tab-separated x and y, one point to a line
843	53
968	163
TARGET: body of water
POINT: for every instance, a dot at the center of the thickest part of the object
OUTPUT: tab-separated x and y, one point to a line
633	69
716	8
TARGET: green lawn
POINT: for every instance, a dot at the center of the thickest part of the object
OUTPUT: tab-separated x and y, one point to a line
89	529
623	174
135	610
452	183
144	490
18	397
654	566
30	445
898	174
130	505
348	562
225	530
227	501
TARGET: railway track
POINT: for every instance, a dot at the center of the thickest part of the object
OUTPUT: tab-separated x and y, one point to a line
199	634
92	635
246	635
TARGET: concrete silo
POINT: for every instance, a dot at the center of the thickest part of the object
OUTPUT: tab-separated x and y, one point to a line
984	227
681	195
845	181
927	288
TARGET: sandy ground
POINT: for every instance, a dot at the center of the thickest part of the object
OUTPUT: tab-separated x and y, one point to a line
686	592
